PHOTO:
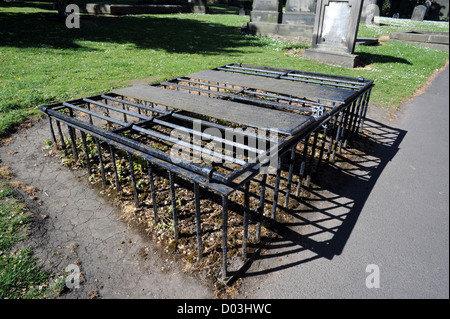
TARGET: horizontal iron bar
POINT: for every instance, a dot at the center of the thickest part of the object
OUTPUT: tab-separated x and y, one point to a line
208	136
208	172
269	95
311	75
191	119
241	98
160	135
189	145
120	110
282	147
100	116
148	108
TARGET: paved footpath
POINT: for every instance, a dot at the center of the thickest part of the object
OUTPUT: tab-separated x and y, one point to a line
386	220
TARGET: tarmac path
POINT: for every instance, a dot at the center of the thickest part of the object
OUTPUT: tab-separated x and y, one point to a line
384	222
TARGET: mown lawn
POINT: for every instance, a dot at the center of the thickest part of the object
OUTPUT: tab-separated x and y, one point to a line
20	274
42	61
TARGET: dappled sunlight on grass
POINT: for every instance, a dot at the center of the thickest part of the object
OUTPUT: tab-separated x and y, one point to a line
42	61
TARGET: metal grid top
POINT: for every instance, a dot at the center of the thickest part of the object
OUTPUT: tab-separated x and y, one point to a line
237	99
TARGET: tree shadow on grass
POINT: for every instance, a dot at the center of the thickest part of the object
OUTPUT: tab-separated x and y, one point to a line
370	58
172	33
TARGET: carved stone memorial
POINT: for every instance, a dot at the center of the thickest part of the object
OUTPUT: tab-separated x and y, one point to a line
295	24
335	30
299	12
266	11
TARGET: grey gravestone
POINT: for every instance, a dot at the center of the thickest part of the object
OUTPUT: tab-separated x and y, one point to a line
266	11
369	11
299	12
396	15
335	29
199	6
301	6
419	13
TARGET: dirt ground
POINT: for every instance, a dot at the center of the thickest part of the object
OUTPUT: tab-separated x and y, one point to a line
75	226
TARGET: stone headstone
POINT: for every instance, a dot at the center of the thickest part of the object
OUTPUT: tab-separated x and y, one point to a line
396	15
419	13
301	6
299	12
335	29
369	11
266	11
199	6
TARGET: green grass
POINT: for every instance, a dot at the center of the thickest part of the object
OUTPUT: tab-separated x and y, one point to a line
20	274
385	26
41	61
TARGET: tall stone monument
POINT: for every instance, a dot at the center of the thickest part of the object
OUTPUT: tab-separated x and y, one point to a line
335	29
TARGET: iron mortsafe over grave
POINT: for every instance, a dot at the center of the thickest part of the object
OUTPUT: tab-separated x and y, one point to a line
135	124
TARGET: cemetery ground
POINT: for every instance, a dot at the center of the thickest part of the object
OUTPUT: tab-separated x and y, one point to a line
41	61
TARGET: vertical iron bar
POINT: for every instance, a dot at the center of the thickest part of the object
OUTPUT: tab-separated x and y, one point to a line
313	151
291	171
133	179
344	127
224	235
322	145
302	165
152	189
174	205
88	105
102	168
246	213
337	139
261	206
349	125
72	140
61	136
365	109
198	220
51	129
309	167
276	190
116	174
356	115
124	114
86	152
